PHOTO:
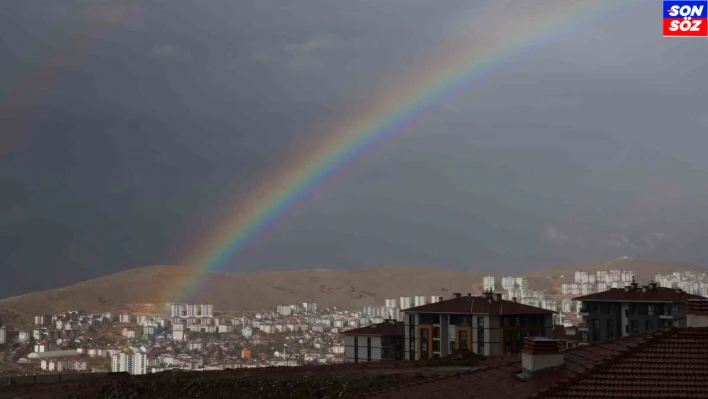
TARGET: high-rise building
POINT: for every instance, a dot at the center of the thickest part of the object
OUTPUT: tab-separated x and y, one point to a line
132	363
183	310
405	302
3	335
488	283
419	300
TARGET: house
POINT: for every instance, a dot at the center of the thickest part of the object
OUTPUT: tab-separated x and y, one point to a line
383	341
632	310
666	364
486	325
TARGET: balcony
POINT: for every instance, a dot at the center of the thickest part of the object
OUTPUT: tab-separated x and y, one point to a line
583	327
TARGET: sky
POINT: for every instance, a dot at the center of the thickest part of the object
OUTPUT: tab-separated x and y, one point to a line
128	129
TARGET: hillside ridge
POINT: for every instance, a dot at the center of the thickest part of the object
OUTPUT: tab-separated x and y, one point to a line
152	286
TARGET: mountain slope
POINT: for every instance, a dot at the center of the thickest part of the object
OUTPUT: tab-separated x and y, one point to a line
147	289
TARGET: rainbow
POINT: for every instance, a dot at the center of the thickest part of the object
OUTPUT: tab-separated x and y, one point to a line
351	138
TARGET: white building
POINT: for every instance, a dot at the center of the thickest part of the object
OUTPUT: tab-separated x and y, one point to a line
3	335
247	332
488	283
124	318
419	300
183	310
24	336
405	302
390	303
133	363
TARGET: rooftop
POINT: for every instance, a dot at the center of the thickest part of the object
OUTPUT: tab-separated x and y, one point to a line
665	364
478	305
635	293
388	327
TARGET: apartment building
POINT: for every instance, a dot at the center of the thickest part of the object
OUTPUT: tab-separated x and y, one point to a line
377	342
132	363
631	310
486	325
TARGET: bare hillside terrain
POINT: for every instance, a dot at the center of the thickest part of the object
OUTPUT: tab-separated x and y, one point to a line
148	289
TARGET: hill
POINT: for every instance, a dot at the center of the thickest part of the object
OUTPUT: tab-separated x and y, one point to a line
147	289
644	270
136	289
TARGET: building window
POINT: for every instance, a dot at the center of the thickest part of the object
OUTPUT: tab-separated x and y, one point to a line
634	327
505	321
596	324
648	325
436	346
356	349
480	335
460	320
424	350
452	347
368	348
675	310
650	310
436	332
462	334
633	309
610	328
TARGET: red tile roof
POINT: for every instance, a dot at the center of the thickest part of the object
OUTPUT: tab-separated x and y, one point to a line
502	381
385	328
658	294
477	305
673	364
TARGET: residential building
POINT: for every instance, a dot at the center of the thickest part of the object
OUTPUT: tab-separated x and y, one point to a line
666	364
631	310
3	335
405	302
183	310
132	363
486	325
377	342
488	283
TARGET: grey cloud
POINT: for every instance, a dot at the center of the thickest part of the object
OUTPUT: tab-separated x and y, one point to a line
169	51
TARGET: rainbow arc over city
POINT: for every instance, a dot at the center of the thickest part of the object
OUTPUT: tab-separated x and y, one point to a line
352	137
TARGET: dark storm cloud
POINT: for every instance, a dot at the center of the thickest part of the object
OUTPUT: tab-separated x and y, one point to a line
131	127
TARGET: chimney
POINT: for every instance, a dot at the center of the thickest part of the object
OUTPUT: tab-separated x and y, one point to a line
513	299
697	313
626	288
497	297
456	295
439	299
540	355
489	295
645	288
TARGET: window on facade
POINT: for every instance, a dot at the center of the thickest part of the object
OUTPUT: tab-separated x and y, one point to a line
517	322
634	327
596	324
368	348
650	310
649	325
643	310
461	320
675	310
505	321
436	346
452	346
436	332
612	309
610	328
356	349
463	342
480	348
424	349
633	309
